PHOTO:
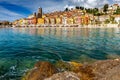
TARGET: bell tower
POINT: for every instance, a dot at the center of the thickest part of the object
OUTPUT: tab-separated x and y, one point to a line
39	14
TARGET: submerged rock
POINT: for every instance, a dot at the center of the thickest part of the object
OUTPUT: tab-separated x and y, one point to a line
41	71
64	76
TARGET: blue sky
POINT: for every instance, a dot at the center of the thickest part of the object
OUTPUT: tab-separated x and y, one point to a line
15	9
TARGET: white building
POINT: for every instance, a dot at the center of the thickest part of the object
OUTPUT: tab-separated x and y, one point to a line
115	6
30	16
64	21
112	8
117	18
104	17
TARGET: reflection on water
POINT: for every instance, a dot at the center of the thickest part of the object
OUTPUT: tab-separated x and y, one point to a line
95	43
85	38
22	47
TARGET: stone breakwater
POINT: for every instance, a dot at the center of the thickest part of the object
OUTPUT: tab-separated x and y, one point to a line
99	70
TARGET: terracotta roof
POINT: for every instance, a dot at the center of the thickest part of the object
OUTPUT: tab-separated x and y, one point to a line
116	15
115	4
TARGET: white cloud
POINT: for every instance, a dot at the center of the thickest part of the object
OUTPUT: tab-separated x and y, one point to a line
49	5
89	3
33	5
9	15
69	7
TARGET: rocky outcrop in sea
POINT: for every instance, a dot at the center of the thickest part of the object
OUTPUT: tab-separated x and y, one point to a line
99	70
40	71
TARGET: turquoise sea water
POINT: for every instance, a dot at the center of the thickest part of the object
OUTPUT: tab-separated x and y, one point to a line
20	48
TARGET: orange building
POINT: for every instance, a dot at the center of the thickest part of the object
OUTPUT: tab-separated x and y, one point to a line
86	20
34	21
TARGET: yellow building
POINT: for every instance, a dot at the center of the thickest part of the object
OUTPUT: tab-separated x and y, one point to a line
76	20
15	22
70	21
82	19
43	16
40	21
23	21
20	22
58	20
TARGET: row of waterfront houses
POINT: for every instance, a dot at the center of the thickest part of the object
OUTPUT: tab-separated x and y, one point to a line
75	16
63	17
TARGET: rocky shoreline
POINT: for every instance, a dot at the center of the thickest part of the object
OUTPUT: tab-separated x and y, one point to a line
99	70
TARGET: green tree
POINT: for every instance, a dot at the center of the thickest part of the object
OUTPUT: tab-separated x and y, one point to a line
89	10
82	8
66	9
97	14
117	11
77	7
105	8
95	11
107	21
0	23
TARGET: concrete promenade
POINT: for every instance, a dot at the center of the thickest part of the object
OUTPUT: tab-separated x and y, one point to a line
72	25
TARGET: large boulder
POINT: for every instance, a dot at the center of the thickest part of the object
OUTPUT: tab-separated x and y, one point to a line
100	70
41	71
84	72
63	66
64	76
107	70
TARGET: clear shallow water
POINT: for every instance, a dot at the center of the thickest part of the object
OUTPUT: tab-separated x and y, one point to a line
20	48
